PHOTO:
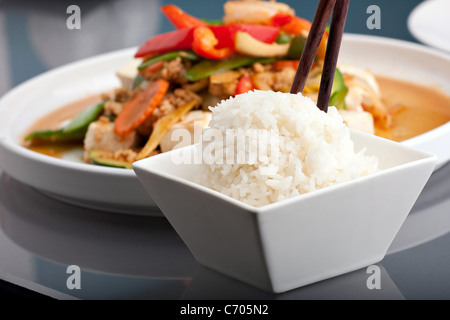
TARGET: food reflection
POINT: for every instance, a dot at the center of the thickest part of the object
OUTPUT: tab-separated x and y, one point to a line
94	240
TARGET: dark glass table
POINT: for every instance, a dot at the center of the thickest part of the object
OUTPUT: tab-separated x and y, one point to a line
135	257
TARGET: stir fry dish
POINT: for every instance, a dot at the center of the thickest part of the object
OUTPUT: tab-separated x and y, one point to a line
176	76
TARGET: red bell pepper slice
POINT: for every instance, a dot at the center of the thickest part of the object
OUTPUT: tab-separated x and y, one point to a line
170	41
205	43
281	19
245	85
226	33
183	39
181	19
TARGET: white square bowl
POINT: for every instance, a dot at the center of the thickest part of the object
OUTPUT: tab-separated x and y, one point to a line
297	241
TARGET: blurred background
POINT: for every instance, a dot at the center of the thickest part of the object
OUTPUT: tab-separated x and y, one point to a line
34	36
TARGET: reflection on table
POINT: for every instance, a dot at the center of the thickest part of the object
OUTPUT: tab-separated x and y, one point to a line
132	257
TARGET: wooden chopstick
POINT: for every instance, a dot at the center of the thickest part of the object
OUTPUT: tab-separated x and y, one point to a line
316	33
319	25
332	54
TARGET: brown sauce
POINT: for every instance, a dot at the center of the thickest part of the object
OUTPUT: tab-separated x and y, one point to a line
56	150
53	121
415	109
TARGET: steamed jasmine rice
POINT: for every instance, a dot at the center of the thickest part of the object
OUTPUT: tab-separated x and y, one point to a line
308	149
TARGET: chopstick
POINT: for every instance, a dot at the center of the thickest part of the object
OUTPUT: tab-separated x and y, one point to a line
318	27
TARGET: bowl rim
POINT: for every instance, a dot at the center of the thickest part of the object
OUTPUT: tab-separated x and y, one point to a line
9	142
144	165
413	46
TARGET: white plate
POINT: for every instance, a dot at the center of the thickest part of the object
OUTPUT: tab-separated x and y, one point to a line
118	190
429	23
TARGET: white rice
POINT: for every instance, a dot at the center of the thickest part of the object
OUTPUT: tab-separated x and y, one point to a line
309	150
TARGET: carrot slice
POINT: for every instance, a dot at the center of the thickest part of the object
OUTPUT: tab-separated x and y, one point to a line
140	107
297	25
323	47
281	64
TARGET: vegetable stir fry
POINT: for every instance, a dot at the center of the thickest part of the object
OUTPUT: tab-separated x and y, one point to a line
176	76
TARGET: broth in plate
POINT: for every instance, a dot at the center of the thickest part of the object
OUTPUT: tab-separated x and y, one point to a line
415	110
53	121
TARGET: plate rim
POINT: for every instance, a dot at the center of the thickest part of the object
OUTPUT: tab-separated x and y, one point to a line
7	141
419	36
100	169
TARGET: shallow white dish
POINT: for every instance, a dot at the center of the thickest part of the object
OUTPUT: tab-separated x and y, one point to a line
298	241
118	190
115	190
429	23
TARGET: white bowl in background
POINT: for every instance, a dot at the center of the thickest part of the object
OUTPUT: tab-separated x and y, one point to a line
297	241
118	190
429	22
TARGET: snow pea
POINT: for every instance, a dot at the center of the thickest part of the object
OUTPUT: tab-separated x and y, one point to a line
206	68
338	91
55	136
296	48
189	55
84	118
283	38
75	130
